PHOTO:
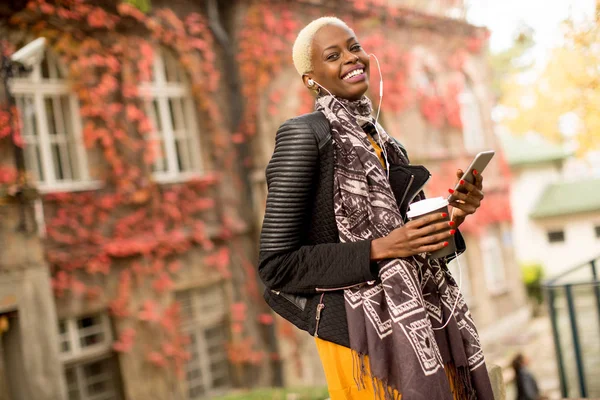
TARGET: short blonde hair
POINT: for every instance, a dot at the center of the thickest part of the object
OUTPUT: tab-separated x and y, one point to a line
301	52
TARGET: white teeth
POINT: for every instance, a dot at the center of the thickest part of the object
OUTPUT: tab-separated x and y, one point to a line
354	73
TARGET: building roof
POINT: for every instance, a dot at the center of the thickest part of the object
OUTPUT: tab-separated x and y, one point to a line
566	198
521	151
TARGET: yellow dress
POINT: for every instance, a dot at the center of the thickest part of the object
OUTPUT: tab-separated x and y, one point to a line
338	361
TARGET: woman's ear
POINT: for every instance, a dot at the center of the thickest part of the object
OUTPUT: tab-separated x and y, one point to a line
309	82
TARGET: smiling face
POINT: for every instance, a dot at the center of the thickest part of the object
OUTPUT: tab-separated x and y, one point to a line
339	62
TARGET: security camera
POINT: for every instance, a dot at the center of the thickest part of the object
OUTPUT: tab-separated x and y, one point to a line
30	54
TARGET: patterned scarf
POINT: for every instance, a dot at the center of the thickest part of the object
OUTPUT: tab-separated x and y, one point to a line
393	321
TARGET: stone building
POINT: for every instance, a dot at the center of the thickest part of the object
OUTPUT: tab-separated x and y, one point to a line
136	278
146	133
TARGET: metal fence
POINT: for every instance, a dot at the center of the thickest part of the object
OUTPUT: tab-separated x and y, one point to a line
574	305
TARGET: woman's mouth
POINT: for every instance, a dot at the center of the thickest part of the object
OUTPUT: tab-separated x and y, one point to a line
356	75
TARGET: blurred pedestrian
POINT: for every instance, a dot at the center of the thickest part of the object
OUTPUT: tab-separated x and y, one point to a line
338	255
527	388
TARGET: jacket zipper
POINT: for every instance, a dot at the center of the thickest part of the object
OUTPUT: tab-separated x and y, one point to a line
412	179
320	308
419	189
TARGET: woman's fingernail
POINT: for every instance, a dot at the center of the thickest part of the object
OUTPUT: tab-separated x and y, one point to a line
446	244
451	191
451	223
462	182
474	172
452	231
444	215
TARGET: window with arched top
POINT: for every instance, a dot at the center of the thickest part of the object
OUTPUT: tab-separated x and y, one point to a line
470	114
51	126
170	106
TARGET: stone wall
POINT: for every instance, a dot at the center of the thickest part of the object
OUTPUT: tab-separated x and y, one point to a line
30	346
141	379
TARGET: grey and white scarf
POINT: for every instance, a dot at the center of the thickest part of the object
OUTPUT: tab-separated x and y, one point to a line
392	321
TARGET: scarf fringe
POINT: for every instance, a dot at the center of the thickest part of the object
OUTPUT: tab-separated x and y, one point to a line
460	382
381	388
458	377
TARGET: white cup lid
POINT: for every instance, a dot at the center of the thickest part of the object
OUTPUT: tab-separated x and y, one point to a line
426	206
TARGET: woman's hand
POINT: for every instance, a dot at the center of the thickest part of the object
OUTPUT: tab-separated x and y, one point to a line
423	235
467	199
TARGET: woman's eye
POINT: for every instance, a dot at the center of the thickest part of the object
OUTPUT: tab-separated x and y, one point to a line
355	47
332	56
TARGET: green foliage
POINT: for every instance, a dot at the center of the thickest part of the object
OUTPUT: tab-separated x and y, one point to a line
142	5
566	86
280	394
532	278
511	61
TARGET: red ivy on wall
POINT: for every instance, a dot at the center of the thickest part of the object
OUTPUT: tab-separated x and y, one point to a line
136	227
133	229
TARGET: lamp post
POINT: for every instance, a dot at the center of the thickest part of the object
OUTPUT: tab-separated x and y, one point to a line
22	61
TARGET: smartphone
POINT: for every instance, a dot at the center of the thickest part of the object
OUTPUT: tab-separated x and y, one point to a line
479	163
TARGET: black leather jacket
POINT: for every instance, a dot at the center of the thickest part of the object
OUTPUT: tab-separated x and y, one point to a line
302	262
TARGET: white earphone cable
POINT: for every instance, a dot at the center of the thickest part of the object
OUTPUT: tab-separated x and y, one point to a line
379	135
459	286
380	87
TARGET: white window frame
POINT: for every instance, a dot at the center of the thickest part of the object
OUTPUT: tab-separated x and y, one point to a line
493	263
72	336
470	115
78	357
162	91
82	382
35	86
201	319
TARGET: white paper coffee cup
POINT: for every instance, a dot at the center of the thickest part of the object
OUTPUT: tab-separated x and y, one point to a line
430	206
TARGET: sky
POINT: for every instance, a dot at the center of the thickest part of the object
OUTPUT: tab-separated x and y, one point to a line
503	17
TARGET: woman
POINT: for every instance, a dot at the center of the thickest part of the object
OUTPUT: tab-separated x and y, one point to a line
338	257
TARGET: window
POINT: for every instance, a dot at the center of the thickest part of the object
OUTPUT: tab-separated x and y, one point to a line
597	230
94	380
557	236
425	80
51	126
493	262
204	319
470	115
84	335
91	369
170	106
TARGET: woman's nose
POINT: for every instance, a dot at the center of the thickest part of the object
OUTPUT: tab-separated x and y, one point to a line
350	58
